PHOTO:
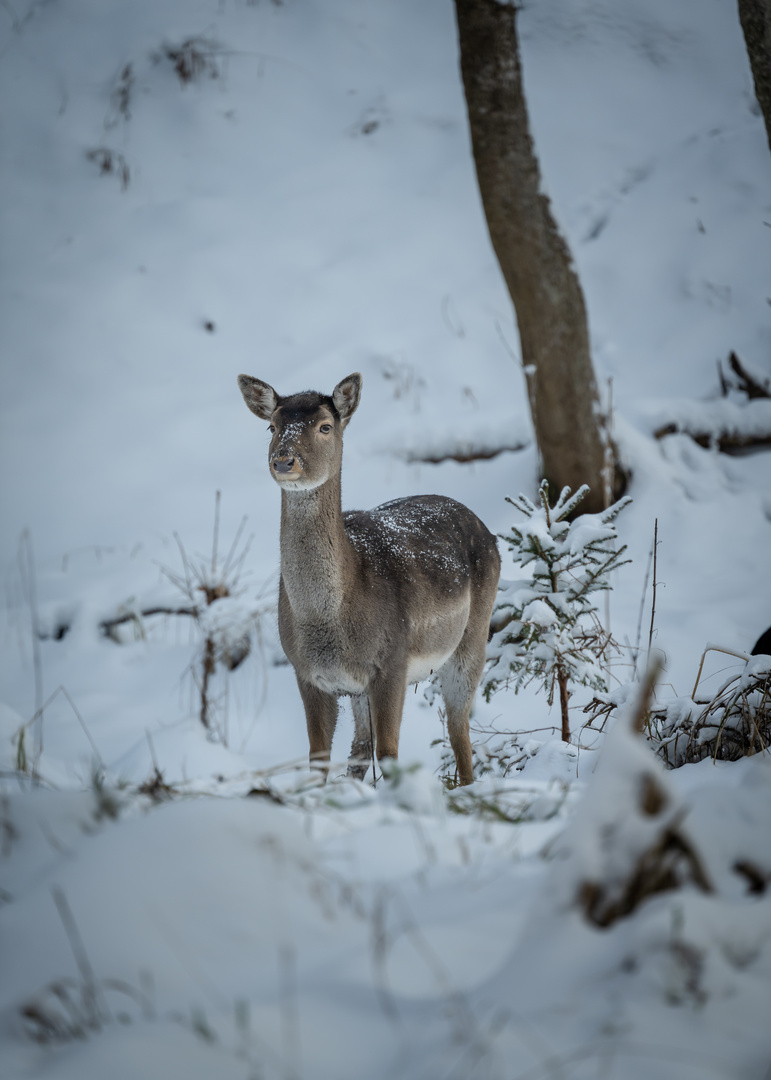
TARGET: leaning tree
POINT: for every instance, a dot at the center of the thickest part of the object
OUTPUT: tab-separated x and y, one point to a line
755	17
534	258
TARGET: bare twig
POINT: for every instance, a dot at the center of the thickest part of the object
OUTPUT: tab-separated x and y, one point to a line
715	648
724	386
93	1001
638	635
29	583
39	716
372	745
456	330
751	386
562	679
216	533
234	545
524	731
655	583
84	726
507	347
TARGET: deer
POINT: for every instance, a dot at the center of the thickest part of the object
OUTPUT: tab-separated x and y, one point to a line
371	602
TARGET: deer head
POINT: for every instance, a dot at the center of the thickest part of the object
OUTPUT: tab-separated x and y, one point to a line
306	447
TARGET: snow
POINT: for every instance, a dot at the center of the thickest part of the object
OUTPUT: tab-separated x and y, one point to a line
306	207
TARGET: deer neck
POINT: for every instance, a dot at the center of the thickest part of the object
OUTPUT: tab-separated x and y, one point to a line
315	550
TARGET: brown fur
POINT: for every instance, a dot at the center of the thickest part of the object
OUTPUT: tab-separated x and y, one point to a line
371	601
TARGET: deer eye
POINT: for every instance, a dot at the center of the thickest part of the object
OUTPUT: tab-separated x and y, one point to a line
271	428
325	429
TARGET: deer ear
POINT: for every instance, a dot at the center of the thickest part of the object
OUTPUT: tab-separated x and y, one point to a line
259	397
346	396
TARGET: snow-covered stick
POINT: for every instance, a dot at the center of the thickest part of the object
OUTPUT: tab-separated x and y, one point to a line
547	628
629	838
645	695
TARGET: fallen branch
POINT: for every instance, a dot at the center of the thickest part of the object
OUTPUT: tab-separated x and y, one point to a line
726	442
732	425
729	426
462	454
108	625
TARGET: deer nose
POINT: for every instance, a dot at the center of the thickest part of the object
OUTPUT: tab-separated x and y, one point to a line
283	465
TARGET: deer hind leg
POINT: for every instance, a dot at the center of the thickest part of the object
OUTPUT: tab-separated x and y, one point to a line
321	718
458	681
459	677
361	748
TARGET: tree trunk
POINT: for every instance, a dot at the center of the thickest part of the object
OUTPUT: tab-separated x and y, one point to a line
755	17
535	260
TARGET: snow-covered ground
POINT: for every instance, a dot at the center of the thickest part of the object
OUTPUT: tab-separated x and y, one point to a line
303	206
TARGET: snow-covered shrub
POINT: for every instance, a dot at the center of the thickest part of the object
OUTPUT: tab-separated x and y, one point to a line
228	623
736	723
499	754
515	800
546	626
626	841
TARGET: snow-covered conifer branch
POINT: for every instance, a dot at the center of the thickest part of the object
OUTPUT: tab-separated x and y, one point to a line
546	628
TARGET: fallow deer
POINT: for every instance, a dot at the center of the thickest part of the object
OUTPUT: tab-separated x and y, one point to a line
371	601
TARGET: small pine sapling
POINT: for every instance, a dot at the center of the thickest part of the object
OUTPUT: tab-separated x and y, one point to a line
546	628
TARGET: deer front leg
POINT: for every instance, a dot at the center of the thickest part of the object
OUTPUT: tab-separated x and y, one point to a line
321	719
361	749
386	702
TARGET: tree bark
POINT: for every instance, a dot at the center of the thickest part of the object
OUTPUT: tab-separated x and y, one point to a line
535	260
755	17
